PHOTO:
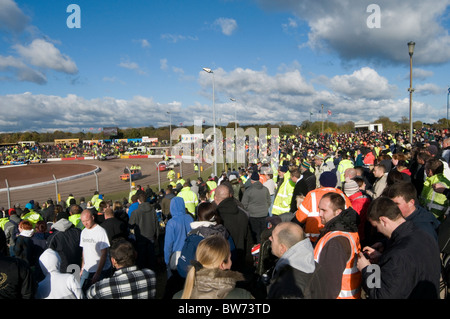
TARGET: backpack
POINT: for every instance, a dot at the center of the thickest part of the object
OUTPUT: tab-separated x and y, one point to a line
188	254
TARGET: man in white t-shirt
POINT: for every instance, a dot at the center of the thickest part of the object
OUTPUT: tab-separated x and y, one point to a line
95	263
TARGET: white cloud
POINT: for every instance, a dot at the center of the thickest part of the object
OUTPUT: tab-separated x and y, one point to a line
228	26
21	71
363	83
44	54
429	89
341	26
11	17
131	66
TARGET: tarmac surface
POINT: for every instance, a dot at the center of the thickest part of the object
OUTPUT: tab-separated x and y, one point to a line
77	177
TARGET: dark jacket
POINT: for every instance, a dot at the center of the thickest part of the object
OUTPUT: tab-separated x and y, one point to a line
65	239
17	279
115	228
410	266
48	214
302	187
293	272
334	255
235	221
144	222
425	220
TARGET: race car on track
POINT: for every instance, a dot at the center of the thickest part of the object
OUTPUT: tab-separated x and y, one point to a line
135	174
164	165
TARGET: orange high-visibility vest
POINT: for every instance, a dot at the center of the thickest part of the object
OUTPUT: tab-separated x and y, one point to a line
351	277
308	211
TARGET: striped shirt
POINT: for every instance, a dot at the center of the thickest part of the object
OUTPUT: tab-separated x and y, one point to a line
125	283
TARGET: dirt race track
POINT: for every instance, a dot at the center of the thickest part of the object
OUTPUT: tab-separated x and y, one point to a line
84	185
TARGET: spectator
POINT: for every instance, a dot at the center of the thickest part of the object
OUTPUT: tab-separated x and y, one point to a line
410	264
360	203
17	278
48	213
12	230
337	249
144	225
404	194
436	203
94	241
128	281
235	221
295	266
211	277
114	227
56	285
65	240
256	201
380	172
176	232
307	214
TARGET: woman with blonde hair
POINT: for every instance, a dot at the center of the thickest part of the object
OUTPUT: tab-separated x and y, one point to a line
210	276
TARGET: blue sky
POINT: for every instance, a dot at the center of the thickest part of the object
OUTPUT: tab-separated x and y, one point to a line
132	61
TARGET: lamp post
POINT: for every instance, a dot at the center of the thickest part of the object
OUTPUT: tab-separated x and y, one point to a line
170	128
235	126
411	45
208	70
448	93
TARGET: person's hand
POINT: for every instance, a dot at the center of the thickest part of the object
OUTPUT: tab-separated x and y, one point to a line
439	188
362	261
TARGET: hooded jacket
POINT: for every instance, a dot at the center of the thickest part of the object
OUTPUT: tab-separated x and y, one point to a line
177	229
293	272
199	231
56	285
218	284
65	240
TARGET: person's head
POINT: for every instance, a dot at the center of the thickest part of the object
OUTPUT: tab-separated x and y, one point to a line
284	236
118	205
379	170
404	194
109	213
141	198
25	225
75	210
122	253
295	175
318	160
222	192
213	252
87	218
206	211
40	227
328	179
331	205
434	166
102	206
385	215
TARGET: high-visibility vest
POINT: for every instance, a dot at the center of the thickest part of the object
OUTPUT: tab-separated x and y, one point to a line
212	185
32	217
76	220
308	211
436	203
351	277
343	165
68	200
282	202
190	199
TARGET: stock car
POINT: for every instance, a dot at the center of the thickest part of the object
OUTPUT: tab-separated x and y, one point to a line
135	174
